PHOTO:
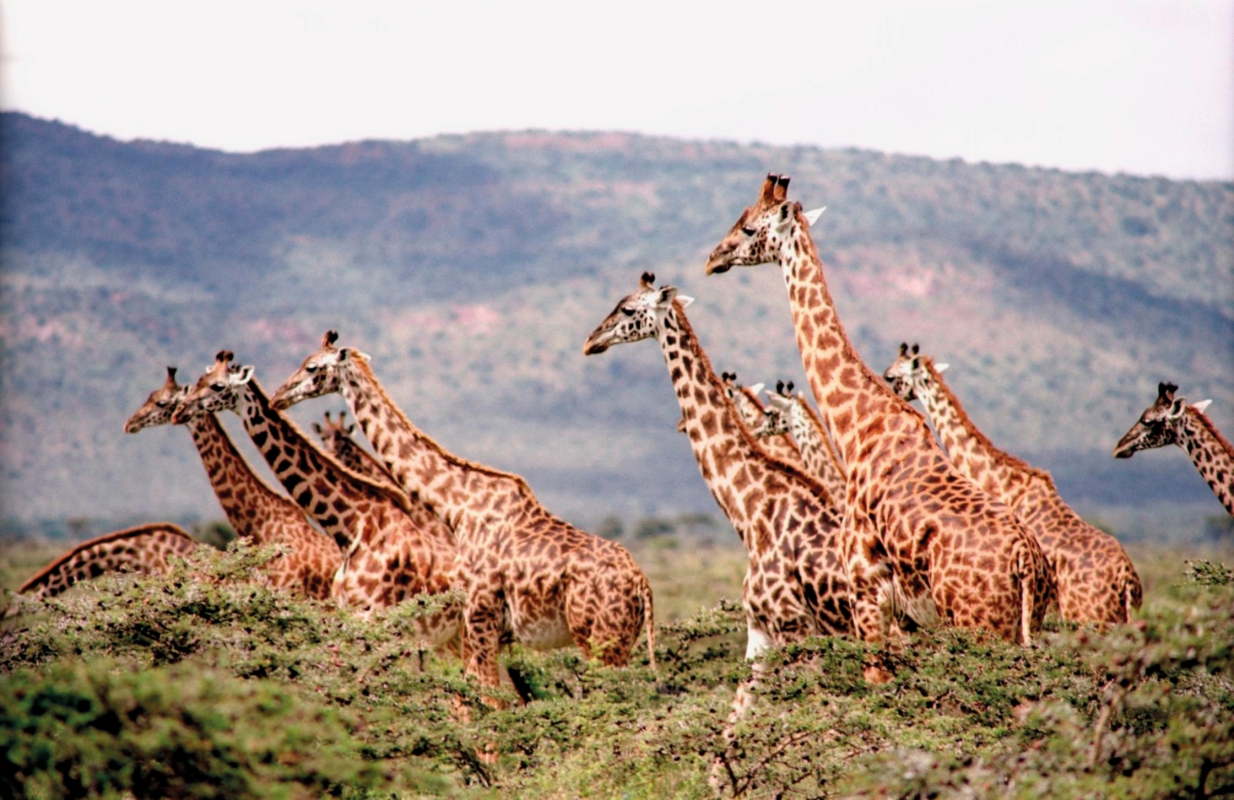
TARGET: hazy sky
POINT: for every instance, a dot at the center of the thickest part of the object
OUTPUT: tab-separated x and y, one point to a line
1140	86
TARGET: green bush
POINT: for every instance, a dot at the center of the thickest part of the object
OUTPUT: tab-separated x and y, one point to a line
77	730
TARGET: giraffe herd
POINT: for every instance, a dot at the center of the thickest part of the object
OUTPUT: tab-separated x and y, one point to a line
863	518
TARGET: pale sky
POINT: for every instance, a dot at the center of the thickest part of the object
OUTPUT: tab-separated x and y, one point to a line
1139	86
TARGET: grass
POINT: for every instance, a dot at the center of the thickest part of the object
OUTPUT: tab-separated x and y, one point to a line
200	684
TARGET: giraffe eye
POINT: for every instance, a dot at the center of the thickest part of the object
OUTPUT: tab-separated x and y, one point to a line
748	231
310	368
218	387
629	312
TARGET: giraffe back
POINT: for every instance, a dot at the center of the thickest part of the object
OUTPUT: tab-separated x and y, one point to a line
145	548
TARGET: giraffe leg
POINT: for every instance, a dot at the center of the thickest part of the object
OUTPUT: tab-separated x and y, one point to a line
872	593
757	643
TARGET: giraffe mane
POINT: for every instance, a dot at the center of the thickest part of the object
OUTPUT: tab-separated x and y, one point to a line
127	533
443	452
1000	456
876	382
701	354
1211	428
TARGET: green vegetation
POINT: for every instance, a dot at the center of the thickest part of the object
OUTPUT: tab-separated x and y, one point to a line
199	684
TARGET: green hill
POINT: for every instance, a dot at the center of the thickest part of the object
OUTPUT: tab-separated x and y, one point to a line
472	267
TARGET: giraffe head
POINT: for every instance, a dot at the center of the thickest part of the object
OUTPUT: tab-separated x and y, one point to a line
1159	425
745	399
215	390
909	374
319	374
331	433
638	316
778	415
760	231
159	406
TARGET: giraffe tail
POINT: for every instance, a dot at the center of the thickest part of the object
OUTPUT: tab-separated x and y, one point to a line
1133	590
1028	577
649	617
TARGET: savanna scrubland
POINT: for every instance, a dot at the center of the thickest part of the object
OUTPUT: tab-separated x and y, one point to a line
203	684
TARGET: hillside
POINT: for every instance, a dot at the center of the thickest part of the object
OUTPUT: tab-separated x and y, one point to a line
472	267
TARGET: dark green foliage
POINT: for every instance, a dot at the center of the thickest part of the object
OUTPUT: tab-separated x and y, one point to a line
269	694
76	729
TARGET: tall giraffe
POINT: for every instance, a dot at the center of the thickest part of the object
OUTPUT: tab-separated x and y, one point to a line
145	548
1096	580
751	414
909	511
336	440
1170	420
795	584
525	573
792	415
394	550
308	561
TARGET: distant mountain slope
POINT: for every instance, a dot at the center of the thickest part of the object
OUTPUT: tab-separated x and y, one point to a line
472	267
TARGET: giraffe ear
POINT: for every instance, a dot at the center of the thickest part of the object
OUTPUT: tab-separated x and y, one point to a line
813	215
1203	404
756	388
1176	408
941	367
243	375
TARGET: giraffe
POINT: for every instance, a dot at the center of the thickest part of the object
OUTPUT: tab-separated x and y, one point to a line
145	548
308	561
336	440
526	574
394	550
1170	420
751	413
1096	580
795	584
909	512
786	414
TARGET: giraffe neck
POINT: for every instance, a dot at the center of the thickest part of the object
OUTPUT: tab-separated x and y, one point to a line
245	498
1211	453
450	485
338	500
816	451
967	447
856	403
357	459
722	446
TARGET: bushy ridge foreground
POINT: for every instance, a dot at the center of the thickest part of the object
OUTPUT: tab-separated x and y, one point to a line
200	684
